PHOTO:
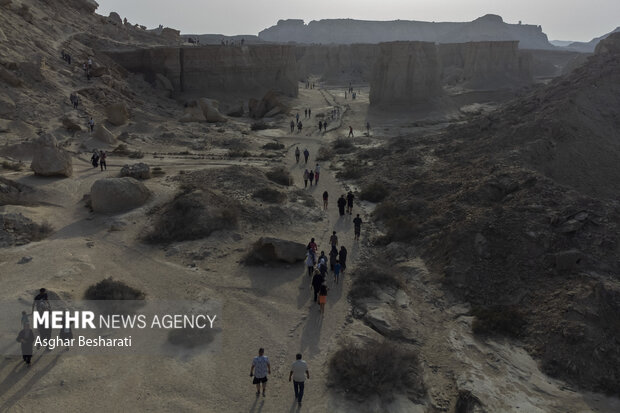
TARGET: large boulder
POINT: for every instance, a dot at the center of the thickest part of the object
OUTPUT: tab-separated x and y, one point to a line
137	171
99	71
111	195
202	110
102	134
50	160
71	123
117	113
115	19
163	83
269	105
268	249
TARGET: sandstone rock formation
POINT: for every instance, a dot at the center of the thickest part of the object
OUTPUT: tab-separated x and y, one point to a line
485	65
111	195
50	160
337	63
7	106
215	69
348	31
405	73
71	122
102	134
137	171
114	18
268	249
269	105
117	113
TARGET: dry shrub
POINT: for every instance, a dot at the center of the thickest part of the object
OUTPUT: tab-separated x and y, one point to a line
376	369
273	146
109	289
502	320
368	280
13	166
270	195
374	192
280	176
191	337
342	146
324	154
351	170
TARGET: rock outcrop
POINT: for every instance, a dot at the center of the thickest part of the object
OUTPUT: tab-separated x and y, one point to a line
50	160
102	134
348	31
405	73
337	63
268	106
202	110
111	195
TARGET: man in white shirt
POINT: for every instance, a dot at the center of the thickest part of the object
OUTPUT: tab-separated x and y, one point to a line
260	368
299	373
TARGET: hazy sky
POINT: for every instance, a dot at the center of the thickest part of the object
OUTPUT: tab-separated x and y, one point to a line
579	20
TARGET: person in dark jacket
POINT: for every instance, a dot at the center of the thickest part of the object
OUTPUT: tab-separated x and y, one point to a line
317	281
343	258
341	204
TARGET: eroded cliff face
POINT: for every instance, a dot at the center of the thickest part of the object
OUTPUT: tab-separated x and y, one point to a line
215	69
338	63
348	31
405	73
485	65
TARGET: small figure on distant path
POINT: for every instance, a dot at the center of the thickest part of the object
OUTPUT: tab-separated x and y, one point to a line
350	198
306	154
317	171
260	368
299	126
317	281
94	160
341	204
368	128
320	126
309	112
297	117
297	153
102	157
91	125
305	113
333	240
26	339
311	176
357	222
342	257
351	132
325	199
323	298
310	263
292	126
306	177
337	268
333	257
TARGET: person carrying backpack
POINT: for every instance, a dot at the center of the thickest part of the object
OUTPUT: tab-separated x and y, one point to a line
297	154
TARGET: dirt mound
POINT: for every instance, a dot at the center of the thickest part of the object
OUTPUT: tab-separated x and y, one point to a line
16	229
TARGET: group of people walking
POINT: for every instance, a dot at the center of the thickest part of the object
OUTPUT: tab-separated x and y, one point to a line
312	175
319	266
261	368
99	159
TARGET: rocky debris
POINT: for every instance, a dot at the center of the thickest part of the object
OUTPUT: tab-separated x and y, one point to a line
102	134
137	171
163	83
99	71
50	160
171	34
268	106
5	3
16	229
236	111
25	13
71	123
111	195
117	113
202	110
7	107
271	250
13	193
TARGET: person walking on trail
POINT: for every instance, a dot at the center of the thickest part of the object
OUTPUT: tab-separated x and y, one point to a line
342	257
305	113
297	153
323	298
306	155
325	199
41	302
333	240
311	176
297	117
306	177
94	160
350	198
309	112
292	126
357	223
337	268
317	171
368	128
26	339
341	204
102	157
299	373
76	101
317	281
310	263
299	126
324	126
351	132
260	369
91	125
333	257
320	126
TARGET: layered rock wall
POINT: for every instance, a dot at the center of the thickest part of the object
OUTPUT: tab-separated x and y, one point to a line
337	63
215	69
405	73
